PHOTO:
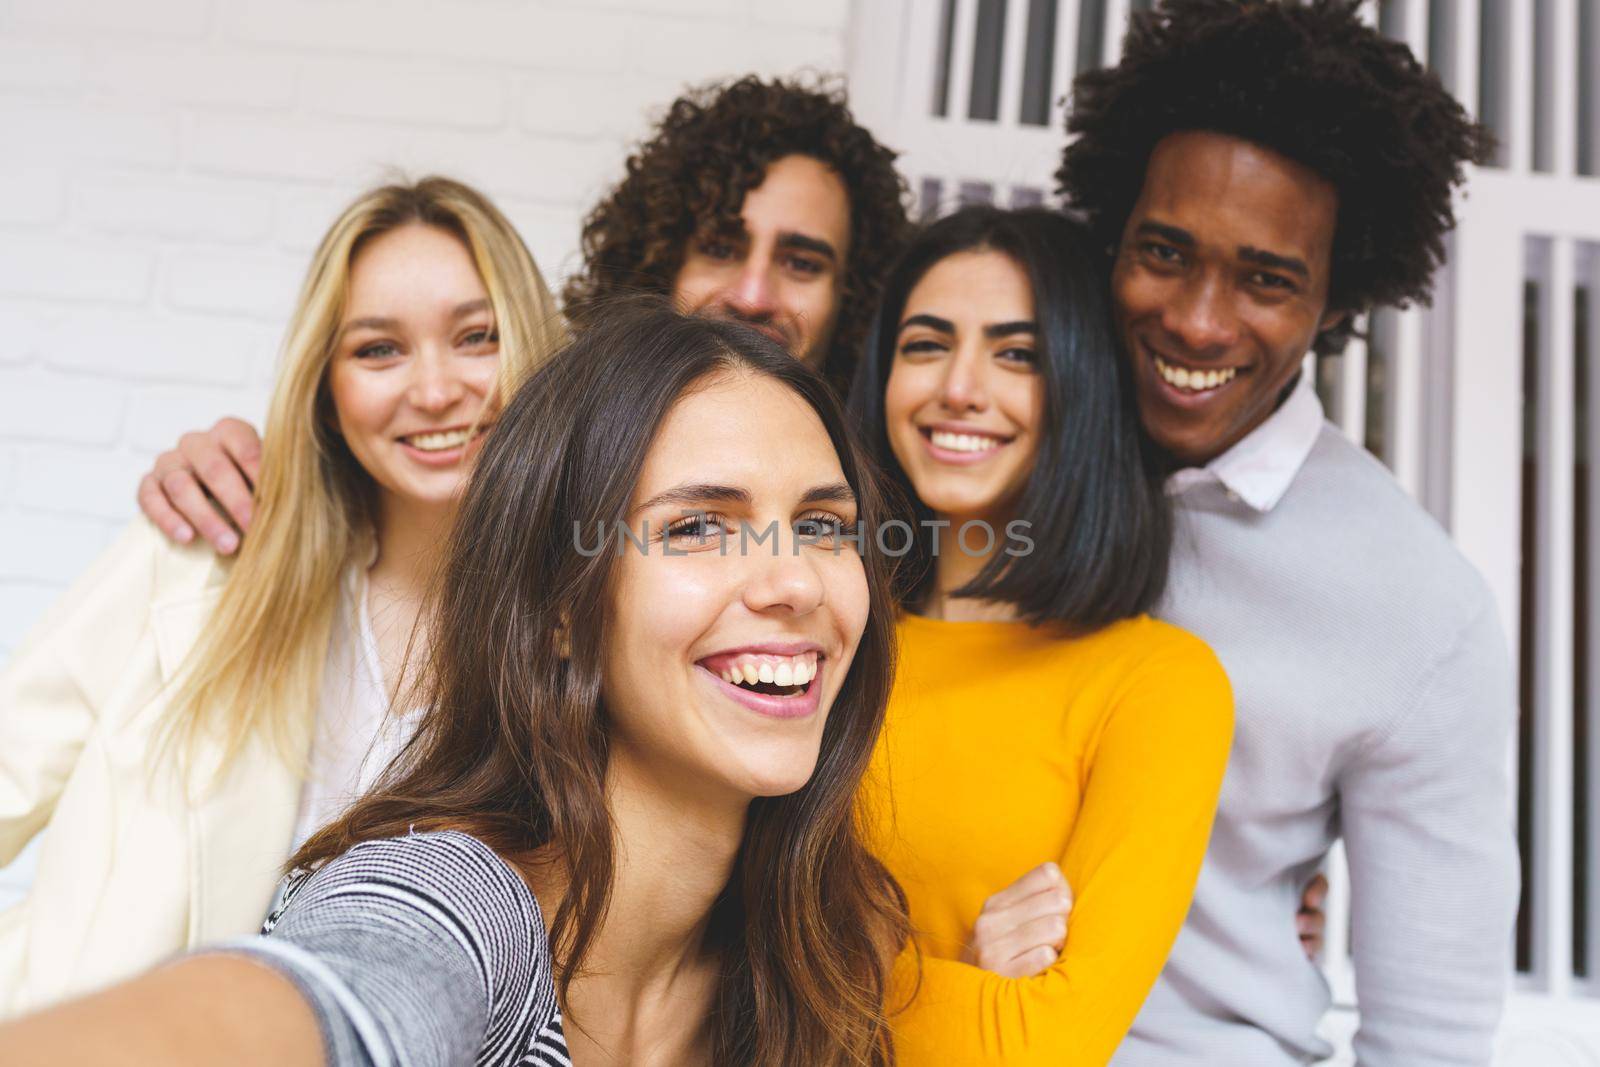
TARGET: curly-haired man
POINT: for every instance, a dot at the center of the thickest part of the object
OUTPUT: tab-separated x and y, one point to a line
760	200
1265	171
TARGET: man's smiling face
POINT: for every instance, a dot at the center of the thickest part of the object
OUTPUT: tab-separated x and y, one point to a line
782	268
1220	286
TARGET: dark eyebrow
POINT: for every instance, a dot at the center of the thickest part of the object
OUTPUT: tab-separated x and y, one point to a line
805	243
932	321
1004	329
706	493
1259	256
1263	258
836	493
993	330
697	493
1170	233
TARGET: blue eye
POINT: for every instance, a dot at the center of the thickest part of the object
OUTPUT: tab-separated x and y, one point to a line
377	350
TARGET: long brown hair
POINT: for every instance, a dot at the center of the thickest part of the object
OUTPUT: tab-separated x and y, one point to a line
514	747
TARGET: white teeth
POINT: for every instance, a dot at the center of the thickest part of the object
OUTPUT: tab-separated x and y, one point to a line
438	442
1194	380
791	672
964	442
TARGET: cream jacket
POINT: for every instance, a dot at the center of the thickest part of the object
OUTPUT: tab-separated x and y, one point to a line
136	862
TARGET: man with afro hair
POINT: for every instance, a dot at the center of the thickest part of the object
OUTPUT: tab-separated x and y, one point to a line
1263	172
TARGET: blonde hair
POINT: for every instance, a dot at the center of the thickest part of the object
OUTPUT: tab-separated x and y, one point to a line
255	674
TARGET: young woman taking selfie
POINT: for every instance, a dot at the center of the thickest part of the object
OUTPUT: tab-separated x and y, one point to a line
599	754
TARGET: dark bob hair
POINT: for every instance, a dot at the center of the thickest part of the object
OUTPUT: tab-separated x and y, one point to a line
515	744
1310	81
1100	522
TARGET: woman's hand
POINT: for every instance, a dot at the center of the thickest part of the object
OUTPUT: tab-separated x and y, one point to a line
1312	922
1021	929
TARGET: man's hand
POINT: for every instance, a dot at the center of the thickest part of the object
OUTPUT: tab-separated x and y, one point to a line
1021	929
1310	921
223	462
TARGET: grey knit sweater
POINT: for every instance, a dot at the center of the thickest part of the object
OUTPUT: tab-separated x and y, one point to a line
1374	700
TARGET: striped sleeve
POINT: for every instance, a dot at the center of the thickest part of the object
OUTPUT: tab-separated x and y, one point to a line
421	950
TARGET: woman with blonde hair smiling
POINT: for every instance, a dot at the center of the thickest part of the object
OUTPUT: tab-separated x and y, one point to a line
180	723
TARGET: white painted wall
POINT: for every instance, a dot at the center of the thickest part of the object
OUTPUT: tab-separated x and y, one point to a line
166	167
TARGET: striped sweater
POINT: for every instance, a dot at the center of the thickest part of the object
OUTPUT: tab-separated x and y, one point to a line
420	950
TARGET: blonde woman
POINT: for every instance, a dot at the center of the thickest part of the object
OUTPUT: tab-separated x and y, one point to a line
180	723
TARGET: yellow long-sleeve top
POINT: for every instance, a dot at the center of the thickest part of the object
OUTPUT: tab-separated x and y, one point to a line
1006	746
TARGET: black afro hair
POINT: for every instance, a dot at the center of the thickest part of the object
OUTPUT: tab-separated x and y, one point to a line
1309	81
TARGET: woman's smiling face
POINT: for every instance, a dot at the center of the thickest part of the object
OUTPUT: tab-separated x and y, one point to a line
415	363
724	652
965	402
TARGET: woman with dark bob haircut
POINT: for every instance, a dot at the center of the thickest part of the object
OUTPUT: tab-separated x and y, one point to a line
1039	714
636	729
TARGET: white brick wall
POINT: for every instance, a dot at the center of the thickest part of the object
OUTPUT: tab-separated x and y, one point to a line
167	165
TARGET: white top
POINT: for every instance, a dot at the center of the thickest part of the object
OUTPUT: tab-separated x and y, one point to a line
356	735
1374	702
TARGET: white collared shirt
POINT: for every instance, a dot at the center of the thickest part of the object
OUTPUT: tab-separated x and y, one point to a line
1259	469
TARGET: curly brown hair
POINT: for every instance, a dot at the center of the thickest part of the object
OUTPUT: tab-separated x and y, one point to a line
1313	83
713	146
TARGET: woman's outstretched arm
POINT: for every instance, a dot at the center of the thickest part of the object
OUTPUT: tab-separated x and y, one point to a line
201	1010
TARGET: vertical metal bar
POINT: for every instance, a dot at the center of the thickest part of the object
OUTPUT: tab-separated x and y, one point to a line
963	35
1353	387
1405	410
1407	22
1588	89
1554	619
1466	56
1559	67
1414	23
1013	62
1115	27
1591	274
1438	389
1518	134
921	81
1065	58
